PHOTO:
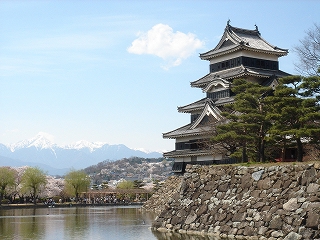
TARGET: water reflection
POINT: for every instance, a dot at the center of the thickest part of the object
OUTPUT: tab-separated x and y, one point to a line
76	223
112	223
26	225
178	236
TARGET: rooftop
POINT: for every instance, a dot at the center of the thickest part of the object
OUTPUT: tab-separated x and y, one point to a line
235	39
237	72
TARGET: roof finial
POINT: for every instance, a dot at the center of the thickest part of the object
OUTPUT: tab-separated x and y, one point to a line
228	22
256	27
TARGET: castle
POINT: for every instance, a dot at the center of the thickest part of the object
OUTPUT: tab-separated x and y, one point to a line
241	53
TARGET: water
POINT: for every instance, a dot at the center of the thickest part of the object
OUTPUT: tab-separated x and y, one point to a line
111	223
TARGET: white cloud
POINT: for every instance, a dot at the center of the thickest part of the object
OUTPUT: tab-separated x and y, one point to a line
160	40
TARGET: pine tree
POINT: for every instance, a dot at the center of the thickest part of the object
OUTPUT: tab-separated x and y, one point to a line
246	125
310	87
294	119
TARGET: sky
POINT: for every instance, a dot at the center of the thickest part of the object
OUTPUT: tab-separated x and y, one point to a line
116	71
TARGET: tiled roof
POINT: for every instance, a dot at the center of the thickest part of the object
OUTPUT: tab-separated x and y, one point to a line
224	74
238	39
187	131
187	153
237	72
198	105
211	116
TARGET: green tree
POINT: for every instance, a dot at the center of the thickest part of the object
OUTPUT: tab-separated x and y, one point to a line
138	184
157	185
294	119
246	126
125	185
32	180
232	137
310	87
76	182
7	179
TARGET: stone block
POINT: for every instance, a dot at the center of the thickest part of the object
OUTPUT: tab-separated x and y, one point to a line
264	184
312	220
248	231
191	218
202	210
220	217
223	187
291	205
239	217
278	184
276	223
312	188
246	181
293	236
257	175
287	183
259	205
176	220
277	234
262	230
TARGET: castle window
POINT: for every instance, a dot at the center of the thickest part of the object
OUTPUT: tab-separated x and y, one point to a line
219	94
246	61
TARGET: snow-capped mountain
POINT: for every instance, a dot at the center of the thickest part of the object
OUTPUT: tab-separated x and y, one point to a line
85	144
41	141
42	151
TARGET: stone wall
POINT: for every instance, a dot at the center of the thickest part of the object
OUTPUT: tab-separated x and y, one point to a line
157	202
261	202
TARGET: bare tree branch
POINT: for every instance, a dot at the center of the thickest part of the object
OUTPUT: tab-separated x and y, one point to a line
309	52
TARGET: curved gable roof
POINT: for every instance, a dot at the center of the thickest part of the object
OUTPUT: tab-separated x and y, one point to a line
197	127
219	82
235	39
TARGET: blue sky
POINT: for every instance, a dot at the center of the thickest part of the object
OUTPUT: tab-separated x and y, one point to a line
115	71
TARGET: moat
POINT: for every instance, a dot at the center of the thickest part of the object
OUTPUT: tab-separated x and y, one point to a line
107	222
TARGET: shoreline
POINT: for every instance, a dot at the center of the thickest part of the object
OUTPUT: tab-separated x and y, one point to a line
64	205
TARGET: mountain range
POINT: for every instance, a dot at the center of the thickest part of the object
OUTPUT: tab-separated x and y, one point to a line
57	160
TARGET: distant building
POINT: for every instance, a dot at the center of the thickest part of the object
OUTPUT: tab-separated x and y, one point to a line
241	53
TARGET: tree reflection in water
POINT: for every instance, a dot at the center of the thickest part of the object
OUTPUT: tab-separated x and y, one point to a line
76	223
108	222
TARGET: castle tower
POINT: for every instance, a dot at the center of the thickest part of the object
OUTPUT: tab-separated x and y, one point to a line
241	53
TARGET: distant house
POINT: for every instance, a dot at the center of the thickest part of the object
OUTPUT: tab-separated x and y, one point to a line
241	53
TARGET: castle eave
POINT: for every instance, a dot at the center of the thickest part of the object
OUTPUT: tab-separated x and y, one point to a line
187	153
187	131
214	54
237	72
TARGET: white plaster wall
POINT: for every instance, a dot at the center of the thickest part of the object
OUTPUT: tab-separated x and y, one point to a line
183	159
200	158
210	157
